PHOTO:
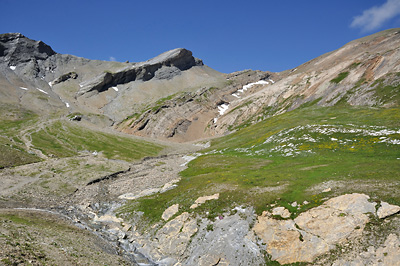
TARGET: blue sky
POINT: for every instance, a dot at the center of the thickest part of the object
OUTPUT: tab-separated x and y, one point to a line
228	35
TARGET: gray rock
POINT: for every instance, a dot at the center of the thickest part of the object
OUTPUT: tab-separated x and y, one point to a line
281	211
17	49
315	231
387	254
175	235
166	72
352	203
286	244
166	66
168	213
64	77
228	243
387	209
202	200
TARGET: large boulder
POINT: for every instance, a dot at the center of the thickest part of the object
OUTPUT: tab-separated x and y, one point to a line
315	231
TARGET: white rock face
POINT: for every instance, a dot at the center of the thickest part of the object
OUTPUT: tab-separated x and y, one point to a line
287	244
175	235
352	203
107	218
331	224
146	192
281	211
315	231
202	200
387	209
168	213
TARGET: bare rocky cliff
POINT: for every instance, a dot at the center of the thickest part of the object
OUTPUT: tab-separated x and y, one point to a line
355	74
38	78
174	96
192	115
164	66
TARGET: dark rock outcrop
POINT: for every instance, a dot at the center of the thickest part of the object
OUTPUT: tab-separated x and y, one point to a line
165	66
65	77
16	49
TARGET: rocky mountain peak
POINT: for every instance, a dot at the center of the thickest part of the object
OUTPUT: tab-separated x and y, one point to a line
164	66
179	57
16	49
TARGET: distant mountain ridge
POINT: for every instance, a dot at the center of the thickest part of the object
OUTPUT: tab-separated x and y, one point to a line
174	96
74	84
361	73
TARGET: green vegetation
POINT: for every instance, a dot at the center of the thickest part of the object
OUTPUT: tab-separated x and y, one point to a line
13	155
387	93
33	238
287	155
354	65
12	121
64	139
72	115
161	101
340	77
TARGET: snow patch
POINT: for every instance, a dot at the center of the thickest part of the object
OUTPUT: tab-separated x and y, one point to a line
41	91
115	88
222	108
215	120
13	67
248	86
203	145
239	209
235	95
51	84
272	81
67	104
22	88
189	158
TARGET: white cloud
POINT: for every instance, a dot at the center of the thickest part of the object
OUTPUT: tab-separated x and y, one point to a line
376	16
112	58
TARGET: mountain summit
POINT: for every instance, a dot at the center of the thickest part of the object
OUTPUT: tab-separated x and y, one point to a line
113	90
15	48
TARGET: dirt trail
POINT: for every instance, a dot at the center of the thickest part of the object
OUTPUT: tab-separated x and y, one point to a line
26	135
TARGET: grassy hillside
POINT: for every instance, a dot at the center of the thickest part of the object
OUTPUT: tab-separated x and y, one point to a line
39	238
292	157
60	138
12	120
64	139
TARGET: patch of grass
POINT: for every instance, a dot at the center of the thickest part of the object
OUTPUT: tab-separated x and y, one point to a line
354	65
32	238
340	77
161	101
12	120
12	154
64	139
388	93
246	170
74	114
